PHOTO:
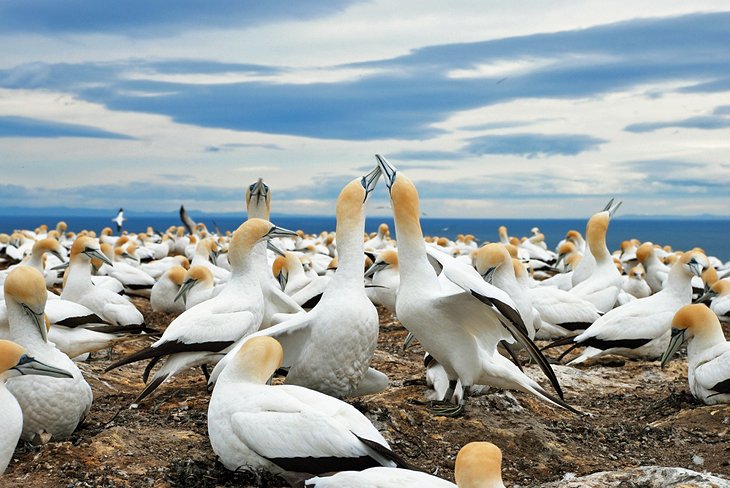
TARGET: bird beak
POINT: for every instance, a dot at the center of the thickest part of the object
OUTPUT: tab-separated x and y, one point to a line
59	256
129	256
674	344
707	297
61	266
489	274
39	321
369	181
93	253
389	172
696	268
282	279
271	247
185	289
613	210
258	190
277	231
408	341
560	260
608	206
375	268
29	366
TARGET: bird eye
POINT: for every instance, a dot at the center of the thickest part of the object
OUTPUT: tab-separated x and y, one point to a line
250	188
24	359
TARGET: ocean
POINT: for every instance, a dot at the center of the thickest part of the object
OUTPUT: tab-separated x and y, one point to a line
713	235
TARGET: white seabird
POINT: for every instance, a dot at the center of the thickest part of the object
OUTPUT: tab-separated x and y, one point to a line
204	333
14	362
460	326
641	328
52	408
708	353
286	427
330	347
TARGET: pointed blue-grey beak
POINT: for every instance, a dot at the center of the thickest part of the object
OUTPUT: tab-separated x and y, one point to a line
370	181
674	344
185	289
279	232
258	190
38	319
377	266
489	274
29	366
271	247
95	253
389	172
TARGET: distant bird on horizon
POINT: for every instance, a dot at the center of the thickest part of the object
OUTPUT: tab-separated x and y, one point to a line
119	219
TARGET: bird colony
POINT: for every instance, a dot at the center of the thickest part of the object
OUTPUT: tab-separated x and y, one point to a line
283	327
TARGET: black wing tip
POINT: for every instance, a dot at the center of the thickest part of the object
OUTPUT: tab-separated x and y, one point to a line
563	341
146	353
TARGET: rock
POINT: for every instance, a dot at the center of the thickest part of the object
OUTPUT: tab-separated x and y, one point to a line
642	477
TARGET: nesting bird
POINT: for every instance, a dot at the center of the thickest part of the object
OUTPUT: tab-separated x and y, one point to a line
52	408
15	362
708	353
286	427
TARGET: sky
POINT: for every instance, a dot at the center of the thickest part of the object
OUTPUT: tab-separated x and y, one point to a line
528	109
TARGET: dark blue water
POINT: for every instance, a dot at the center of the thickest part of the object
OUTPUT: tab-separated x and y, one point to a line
712	235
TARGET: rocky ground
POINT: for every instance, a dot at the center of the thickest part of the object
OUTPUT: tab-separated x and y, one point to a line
639	415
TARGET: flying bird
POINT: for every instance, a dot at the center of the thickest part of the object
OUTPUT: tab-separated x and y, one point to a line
119	219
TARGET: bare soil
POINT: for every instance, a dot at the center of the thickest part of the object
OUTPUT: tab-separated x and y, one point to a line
639	414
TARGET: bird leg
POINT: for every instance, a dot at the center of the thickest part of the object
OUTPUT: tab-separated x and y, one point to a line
204	367
445	408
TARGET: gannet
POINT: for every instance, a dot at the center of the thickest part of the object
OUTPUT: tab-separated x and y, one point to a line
461	329
329	348
157	268
51	407
205	256
602	287
119	219
656	271
380	241
635	284
385	277
258	205
204	333
708	353
78	288
36	259
494	264
641	328
478	465
14	362
198	286
133	279
305	290
165	290
286	427
719	296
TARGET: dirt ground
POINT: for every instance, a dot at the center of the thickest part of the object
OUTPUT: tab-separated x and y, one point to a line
639	415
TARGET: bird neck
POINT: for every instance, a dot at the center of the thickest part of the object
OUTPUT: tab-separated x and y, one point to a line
413	264
705	339
79	274
679	281
22	329
350	250
36	260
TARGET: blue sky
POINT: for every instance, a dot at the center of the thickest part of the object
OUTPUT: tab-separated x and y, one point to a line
531	109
